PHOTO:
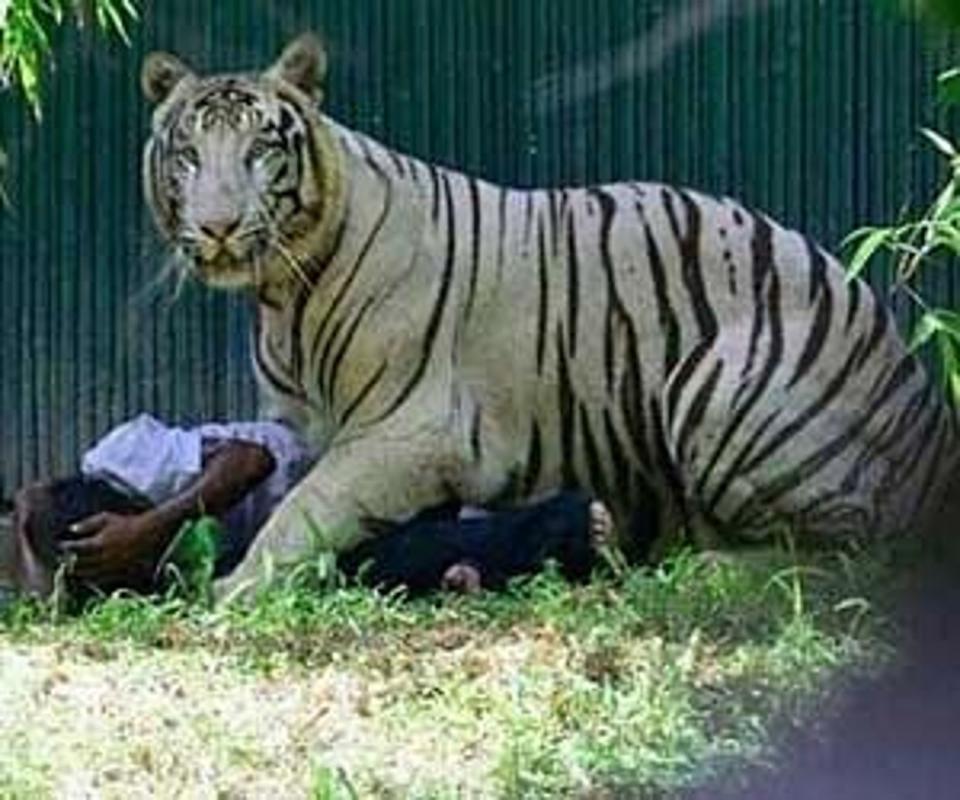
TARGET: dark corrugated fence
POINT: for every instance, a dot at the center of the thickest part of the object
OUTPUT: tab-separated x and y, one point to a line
806	108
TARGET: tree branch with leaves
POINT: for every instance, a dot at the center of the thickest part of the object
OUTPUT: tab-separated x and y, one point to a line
929	240
26	27
26	31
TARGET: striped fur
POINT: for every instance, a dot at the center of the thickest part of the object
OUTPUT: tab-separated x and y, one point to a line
683	358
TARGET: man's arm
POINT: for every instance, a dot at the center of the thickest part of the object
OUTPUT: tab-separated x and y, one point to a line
108	548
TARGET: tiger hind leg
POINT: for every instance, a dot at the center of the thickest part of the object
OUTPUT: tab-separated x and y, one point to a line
845	452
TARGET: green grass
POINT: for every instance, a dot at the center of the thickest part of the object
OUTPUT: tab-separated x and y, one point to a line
636	685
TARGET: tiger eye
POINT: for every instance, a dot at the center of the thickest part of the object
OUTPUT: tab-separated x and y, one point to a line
188	159
258	150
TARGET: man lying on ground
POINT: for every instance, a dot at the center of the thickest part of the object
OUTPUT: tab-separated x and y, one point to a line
115	523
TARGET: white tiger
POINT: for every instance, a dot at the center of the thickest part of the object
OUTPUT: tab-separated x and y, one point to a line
442	338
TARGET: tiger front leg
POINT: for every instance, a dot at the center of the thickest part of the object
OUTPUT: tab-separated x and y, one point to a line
370	478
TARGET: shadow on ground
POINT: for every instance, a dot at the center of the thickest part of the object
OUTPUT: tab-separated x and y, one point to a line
894	738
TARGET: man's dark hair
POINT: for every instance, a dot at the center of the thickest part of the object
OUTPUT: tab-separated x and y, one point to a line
71	500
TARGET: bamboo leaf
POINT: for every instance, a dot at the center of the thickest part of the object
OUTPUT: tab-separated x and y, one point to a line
949	322
954	381
948	87
944	200
940	142
926	329
949	361
948	238
114	20
25	36
868	247
853	236
951	211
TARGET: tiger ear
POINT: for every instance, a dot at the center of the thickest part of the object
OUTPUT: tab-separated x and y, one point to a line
303	64
161	74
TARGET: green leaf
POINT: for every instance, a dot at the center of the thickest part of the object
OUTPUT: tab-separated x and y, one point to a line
941	142
110	17
947	238
25	36
193	556
926	329
944	201
949	361
943	326
871	241
949	322
854	236
948	87
950	213
28	75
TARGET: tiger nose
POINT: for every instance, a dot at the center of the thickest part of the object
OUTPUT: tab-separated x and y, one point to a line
220	229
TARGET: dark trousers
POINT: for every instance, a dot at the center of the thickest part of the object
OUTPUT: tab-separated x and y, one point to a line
500	546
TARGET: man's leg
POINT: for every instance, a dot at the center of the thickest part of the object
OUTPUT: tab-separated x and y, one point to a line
519	541
415	554
431	552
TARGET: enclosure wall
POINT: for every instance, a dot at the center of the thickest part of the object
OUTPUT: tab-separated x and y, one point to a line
808	109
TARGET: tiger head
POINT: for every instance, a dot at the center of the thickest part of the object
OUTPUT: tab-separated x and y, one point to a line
240	172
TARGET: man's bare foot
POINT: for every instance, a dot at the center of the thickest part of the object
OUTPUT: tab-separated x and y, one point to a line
462	579
601	526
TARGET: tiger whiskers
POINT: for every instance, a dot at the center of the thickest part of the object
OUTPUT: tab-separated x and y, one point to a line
176	267
277	241
186	270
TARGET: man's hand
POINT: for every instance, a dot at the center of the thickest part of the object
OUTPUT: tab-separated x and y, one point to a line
114	548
